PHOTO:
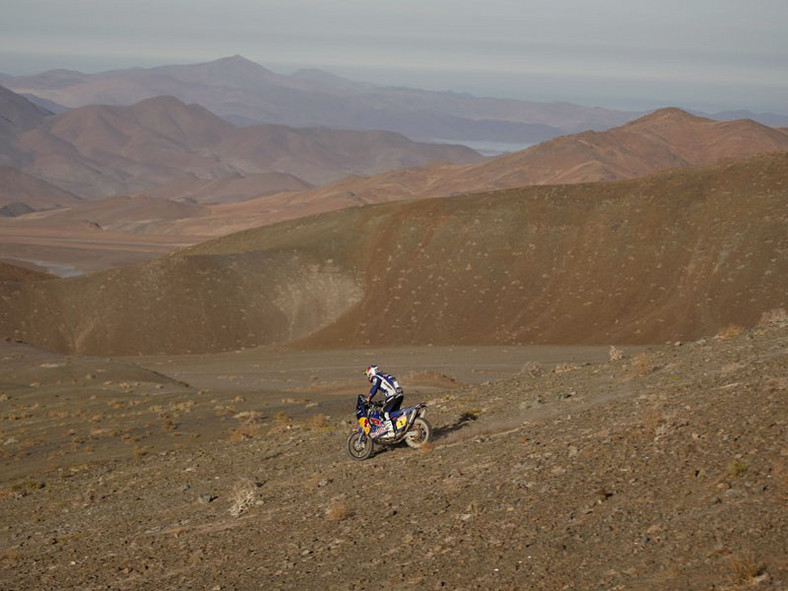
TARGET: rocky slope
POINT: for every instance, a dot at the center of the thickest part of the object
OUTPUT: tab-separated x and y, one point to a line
667	139
664	470
672	257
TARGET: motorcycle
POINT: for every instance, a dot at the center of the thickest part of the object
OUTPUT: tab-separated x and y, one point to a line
409	426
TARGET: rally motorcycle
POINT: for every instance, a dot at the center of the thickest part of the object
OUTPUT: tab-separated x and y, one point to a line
410	426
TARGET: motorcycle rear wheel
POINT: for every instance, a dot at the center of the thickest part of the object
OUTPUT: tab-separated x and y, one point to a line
359	446
419	434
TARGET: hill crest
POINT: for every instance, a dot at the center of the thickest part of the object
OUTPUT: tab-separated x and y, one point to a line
671	257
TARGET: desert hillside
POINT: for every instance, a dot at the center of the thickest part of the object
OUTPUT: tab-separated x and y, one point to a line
28	193
17	115
99	237
667	139
98	151
662	470
670	257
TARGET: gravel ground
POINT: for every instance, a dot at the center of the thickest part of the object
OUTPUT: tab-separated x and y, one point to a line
662	469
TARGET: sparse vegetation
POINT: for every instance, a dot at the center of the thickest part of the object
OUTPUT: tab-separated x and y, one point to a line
337	510
532	369
568	454
251	426
242	497
643	364
615	353
564	367
737	468
317	422
774	317
729	332
744	568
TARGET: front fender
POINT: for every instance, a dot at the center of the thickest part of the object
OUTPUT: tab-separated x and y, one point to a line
364	426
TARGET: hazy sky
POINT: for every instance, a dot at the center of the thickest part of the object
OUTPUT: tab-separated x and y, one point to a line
702	54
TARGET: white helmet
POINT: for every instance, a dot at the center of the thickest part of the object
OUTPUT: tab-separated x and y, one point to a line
371	372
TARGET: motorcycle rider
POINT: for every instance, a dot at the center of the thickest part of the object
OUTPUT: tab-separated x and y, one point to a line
392	391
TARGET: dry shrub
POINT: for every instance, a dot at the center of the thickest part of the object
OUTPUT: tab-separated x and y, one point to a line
185	406
532	369
337	511
616	353
737	468
168	424
318	422
564	367
643	363
10	556
282	422
250	427
242	496
245	431
745	568
730	331
140	451
774	317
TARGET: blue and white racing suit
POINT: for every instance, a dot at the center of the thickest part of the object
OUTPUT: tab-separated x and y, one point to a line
389	386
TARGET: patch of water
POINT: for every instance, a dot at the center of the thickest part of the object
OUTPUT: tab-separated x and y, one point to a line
486	148
60	269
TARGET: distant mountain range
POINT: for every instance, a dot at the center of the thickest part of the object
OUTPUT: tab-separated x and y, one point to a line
667	139
209	207
98	151
246	93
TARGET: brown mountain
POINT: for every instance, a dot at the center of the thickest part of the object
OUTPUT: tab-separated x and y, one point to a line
246	93
16	187
17	114
231	188
99	150
666	139
670	257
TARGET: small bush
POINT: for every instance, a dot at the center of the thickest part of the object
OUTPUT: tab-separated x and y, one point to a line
337	511
745	568
730	331
250	427
737	468
318	422
168	424
140	451
242	497
282	422
774	317
643	363
564	367
532	369
616	354
245	431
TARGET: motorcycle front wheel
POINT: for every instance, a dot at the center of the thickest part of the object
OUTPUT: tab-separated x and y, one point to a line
420	433
359	446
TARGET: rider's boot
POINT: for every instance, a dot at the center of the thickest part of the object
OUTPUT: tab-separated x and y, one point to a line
390	428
